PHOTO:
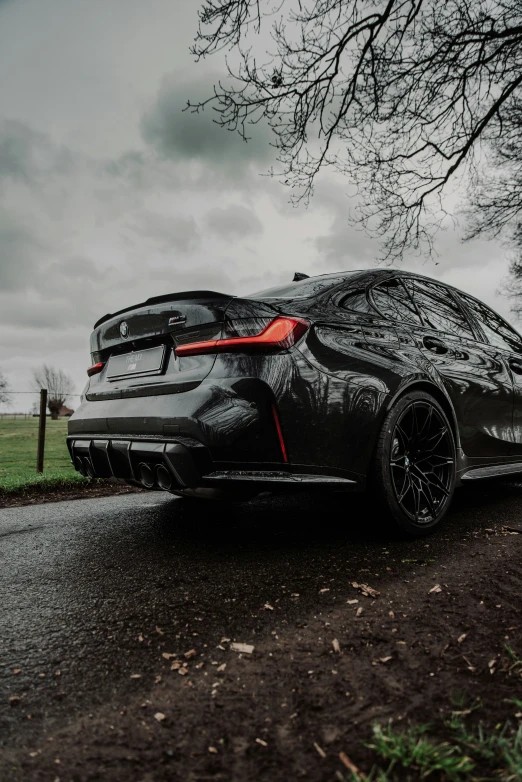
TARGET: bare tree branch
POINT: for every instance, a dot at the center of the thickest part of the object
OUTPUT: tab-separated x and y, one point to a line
401	96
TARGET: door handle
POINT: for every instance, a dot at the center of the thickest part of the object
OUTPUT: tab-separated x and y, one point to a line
435	345
516	366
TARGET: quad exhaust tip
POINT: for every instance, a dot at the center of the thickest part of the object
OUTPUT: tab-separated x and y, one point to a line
146	475
163	477
88	468
78	463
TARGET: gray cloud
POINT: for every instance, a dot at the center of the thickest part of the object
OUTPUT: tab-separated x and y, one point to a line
233	222
188	136
168	232
30	157
20	251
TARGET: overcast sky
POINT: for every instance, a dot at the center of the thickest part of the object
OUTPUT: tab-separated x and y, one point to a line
110	193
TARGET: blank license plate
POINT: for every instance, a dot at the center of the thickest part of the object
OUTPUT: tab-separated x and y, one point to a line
148	362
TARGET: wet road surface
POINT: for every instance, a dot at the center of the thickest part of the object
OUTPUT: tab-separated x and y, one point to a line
94	591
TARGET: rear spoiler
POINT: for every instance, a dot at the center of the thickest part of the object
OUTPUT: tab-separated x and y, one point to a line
165	298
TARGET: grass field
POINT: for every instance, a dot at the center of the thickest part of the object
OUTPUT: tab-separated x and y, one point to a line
18	443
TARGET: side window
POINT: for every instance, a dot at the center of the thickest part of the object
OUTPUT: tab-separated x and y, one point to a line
392	300
498	332
439	309
356	301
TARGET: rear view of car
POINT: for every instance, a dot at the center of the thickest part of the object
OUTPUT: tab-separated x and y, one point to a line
187	392
379	379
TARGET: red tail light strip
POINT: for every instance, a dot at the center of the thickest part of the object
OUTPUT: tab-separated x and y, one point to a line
280	333
95	368
280	434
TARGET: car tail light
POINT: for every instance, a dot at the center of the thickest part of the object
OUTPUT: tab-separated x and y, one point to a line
95	368
265	335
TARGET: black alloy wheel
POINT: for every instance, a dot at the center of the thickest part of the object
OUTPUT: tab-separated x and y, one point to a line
415	463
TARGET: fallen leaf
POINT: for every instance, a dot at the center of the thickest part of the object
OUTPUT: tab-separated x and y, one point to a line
225	640
365	589
176	665
263	743
320	751
242	648
135	676
326	589
268	607
189	654
352	602
140	637
159	716
222	667
182	671
336	646
391	614
385	659
436	588
168	655
157	679
359	611
213	750
461	638
159	630
14	699
16	671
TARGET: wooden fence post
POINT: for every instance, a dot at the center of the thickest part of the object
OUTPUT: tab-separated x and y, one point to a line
41	430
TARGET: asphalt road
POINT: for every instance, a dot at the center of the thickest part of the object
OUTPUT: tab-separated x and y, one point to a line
93	590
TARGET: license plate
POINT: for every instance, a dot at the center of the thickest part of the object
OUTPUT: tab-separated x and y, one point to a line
143	362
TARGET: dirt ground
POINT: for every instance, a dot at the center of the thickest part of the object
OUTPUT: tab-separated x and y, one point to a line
36	495
330	658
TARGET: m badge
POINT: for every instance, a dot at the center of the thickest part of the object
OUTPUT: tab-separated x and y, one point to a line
177	320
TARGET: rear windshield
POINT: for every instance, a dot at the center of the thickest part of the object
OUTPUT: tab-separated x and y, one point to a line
302	289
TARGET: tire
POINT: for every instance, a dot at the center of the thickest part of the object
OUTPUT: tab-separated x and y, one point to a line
414	465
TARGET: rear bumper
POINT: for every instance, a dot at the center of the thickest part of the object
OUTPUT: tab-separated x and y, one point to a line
221	434
177	466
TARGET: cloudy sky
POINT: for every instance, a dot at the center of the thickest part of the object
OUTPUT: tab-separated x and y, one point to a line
109	193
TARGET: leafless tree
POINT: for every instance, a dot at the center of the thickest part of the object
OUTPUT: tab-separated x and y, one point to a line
59	387
404	97
5	393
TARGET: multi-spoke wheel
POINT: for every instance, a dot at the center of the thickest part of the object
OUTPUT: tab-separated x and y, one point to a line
415	463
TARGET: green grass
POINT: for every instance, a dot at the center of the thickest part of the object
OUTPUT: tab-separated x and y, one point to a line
18	444
465	755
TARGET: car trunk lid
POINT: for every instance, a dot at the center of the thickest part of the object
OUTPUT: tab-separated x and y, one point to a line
136	345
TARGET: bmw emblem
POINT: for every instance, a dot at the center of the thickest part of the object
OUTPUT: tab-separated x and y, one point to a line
124	329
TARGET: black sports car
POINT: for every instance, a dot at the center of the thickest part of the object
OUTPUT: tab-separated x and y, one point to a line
379	379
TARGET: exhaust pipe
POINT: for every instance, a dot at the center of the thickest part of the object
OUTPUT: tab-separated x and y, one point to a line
163	478
78	463
146	475
88	468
